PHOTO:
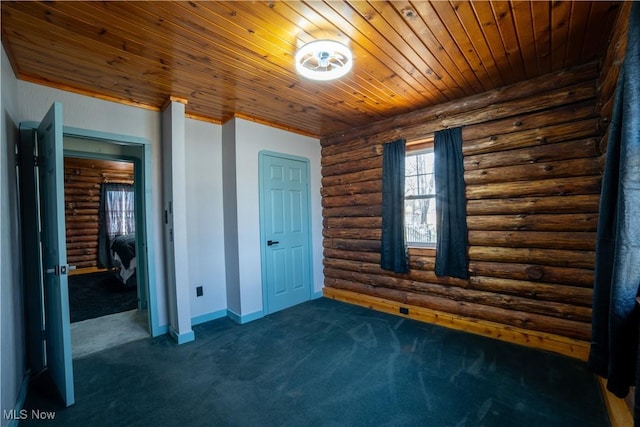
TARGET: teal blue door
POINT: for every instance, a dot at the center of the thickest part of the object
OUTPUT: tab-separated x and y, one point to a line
285	232
54	253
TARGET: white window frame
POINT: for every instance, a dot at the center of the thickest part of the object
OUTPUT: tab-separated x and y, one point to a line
421	147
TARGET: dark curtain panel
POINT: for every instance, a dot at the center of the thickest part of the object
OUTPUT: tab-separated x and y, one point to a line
614	341
115	218
393	251
451	208
104	252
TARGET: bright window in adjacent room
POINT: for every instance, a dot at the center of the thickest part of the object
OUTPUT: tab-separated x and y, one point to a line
420	198
119	210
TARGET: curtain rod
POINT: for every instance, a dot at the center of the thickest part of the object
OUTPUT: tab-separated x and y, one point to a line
117	181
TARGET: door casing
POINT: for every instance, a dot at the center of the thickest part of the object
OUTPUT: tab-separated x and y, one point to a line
144	219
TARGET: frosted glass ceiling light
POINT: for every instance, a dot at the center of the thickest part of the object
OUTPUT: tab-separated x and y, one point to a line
323	60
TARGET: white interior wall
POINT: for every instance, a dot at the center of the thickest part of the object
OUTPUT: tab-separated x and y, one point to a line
205	229
165	189
230	209
12	326
251	138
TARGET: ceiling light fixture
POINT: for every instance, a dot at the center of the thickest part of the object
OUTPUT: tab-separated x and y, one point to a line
323	60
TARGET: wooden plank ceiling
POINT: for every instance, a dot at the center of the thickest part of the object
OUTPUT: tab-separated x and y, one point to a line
236	58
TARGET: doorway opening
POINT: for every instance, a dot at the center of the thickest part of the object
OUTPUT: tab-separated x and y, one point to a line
104	304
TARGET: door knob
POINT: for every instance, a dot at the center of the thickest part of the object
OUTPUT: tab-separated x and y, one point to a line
272	242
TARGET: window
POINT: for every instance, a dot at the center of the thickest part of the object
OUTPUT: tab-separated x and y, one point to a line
116	218
420	198
119	210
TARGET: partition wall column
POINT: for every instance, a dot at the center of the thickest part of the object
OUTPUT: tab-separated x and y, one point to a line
175	220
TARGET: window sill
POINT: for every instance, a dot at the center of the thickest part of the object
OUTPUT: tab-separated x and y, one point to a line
422	251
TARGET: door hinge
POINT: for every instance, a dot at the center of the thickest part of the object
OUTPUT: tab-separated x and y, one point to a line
43	334
37	161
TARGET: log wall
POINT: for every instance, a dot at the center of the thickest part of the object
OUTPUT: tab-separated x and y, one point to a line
532	158
82	180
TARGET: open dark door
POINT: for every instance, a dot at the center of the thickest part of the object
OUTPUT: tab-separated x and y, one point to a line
54	252
30	231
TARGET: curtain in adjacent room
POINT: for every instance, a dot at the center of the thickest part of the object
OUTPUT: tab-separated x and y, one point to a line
614	341
116	218
451	208
393	251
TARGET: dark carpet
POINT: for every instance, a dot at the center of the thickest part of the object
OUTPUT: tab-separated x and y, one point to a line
326	363
99	294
